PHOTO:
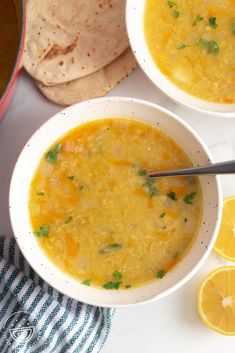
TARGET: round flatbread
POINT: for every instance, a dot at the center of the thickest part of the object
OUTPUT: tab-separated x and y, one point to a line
69	39
91	86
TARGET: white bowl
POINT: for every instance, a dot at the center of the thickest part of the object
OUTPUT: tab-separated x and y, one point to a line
93	110
135	27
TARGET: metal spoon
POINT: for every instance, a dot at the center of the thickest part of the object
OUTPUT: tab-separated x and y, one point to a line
217	168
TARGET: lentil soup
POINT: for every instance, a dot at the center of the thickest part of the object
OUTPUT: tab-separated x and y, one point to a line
98	216
193	45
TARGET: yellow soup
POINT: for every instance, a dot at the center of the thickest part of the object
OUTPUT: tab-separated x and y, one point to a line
193	44
98	216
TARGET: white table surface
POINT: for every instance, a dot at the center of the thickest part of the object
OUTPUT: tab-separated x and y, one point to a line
168	325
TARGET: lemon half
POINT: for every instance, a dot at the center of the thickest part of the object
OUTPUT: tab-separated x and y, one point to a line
225	243
216	300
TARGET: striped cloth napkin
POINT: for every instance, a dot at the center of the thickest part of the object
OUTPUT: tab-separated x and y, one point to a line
35	318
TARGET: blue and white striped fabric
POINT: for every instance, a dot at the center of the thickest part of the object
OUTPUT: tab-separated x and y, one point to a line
35	318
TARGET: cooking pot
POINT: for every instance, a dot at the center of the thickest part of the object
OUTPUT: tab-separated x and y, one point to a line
7	95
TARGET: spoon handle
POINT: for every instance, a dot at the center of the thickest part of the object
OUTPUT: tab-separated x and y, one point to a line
217	168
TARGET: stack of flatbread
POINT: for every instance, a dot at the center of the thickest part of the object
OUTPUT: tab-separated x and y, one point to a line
76	49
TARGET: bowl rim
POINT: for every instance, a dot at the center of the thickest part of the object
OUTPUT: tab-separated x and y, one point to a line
189	101
219	201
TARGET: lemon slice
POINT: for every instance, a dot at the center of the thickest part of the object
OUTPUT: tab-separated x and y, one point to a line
216	300
225	243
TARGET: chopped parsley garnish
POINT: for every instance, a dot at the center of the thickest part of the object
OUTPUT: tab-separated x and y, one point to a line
71	177
172	195
185	220
211	46
150	186
57	148
212	22
128	286
51	156
160	274
182	46
233	29
40	193
163	215
68	220
142	172
189	198
43	231
117	275
86	282
176	255
111	247
175	14
198	19
171	4
112	285
139	171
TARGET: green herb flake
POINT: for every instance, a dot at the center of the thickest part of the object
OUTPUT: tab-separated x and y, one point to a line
160	274
142	172
212	22
86	282
151	187
189	198
176	255
175	14
171	4
172	195
111	247
51	156
117	275
182	46
198	19
71	177
163	215
40	193
81	187
185	220
57	148
112	285
128	286
211	46
68	220
139	171
43	231
233	29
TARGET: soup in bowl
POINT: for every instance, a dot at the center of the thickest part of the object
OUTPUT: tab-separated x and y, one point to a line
186	48
95	226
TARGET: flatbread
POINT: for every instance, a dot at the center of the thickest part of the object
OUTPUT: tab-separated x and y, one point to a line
69	39
91	86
